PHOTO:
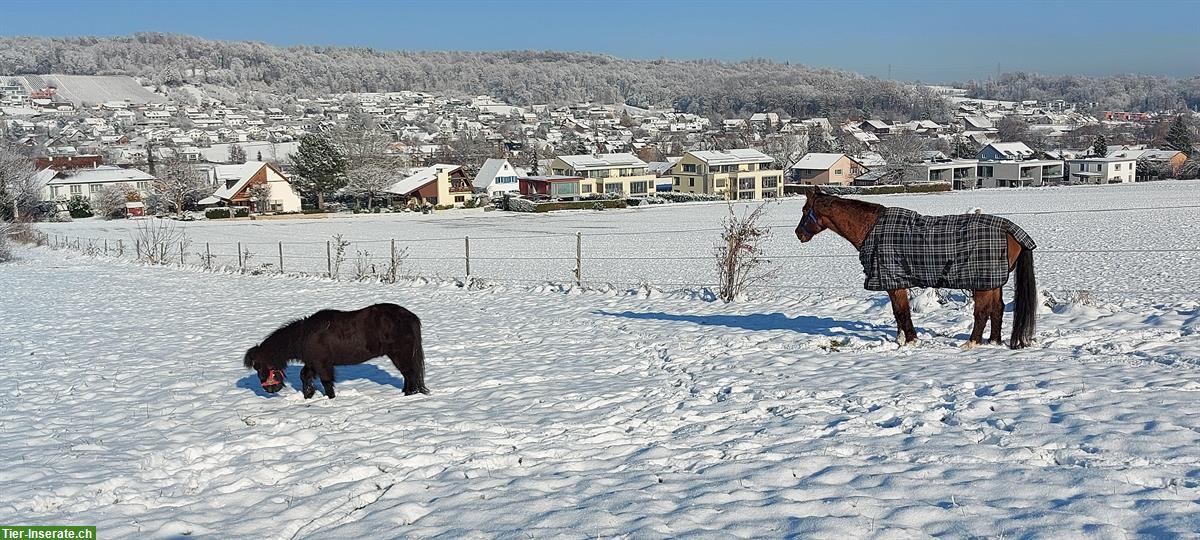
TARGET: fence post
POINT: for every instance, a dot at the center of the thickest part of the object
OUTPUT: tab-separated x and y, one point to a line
181	248
162	253
467	241
105	247
328	261
138	245
579	258
55	244
392	271
207	256
241	268
120	248
281	257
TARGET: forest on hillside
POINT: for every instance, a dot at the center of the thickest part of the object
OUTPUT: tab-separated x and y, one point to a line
706	87
1145	93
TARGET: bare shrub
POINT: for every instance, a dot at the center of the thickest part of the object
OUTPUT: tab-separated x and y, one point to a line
339	255
154	239
363	267
5	251
741	262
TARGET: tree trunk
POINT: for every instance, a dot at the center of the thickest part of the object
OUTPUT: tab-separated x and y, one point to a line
370	200
320	201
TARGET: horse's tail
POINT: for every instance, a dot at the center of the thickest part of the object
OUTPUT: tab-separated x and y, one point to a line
418	358
1025	302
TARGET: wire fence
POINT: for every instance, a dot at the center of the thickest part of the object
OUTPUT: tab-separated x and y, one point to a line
565	259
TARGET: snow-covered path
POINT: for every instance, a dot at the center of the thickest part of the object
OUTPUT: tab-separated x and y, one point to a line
585	414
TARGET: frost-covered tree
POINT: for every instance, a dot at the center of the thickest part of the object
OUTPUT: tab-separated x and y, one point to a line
109	201
237	154
369	181
1012	129
319	166
902	152
260	193
818	140
180	184
1100	146
19	192
1178	137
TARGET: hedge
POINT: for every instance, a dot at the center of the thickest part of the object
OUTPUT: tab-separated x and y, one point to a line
579	205
924	187
217	213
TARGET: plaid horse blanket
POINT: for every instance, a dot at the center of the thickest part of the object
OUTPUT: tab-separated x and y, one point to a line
967	251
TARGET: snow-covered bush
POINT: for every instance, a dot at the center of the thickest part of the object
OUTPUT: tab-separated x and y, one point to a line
521	205
79	207
689	197
740	259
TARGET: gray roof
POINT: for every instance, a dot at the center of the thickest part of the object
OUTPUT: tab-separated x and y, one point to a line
731	157
588	162
101	175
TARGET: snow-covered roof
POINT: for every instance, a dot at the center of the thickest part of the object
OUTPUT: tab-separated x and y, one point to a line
820	161
240	174
419	178
100	175
732	157
1013	149
587	162
488	172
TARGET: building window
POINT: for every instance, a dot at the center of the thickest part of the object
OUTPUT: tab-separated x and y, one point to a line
677	180
689	168
637	188
837	172
985	171
691	182
745	195
1117	167
93	188
612	188
746	183
587	188
143	186
719	182
460	198
770	182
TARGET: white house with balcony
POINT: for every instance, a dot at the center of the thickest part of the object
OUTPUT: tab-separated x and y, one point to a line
496	177
1118	168
1014	164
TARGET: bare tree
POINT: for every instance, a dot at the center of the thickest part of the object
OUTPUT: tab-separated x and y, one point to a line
741	262
179	184
237	154
903	152
19	191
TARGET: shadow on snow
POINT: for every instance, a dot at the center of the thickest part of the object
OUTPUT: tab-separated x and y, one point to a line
344	373
804	324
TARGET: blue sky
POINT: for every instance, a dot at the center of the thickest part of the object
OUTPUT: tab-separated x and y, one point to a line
933	41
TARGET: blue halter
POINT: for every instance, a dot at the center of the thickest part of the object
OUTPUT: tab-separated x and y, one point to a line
809	216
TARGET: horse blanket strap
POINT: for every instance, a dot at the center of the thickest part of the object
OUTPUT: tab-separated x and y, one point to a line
905	249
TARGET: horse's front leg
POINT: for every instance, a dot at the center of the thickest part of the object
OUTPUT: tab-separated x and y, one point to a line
307	375
905	333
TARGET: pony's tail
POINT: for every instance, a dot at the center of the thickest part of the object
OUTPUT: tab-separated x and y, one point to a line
1025	303
418	358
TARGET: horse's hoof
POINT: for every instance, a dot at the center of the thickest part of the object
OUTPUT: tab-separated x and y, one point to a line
970	345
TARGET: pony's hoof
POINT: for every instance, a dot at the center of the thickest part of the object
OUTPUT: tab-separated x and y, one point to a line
970	345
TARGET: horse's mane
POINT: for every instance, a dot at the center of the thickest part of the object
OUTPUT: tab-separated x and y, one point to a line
283	340
853	204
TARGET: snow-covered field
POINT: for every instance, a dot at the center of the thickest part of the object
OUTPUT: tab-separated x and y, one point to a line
579	412
670	246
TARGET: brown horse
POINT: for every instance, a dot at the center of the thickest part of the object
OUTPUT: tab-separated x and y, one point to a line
856	221
330	338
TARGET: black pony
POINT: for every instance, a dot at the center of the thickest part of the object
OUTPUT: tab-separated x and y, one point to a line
330	338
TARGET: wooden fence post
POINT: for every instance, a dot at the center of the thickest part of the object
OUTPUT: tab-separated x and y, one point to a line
579	258
281	257
467	240
207	256
241	267
328	260
392	268
120	248
138	245
105	247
